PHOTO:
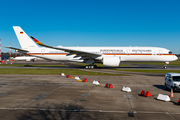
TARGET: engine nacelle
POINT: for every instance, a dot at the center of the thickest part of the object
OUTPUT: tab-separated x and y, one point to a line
112	61
33	60
28	60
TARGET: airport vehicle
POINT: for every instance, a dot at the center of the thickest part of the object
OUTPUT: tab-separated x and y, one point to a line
108	56
172	80
25	58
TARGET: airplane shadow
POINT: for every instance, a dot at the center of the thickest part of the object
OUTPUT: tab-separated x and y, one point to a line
54	112
51	111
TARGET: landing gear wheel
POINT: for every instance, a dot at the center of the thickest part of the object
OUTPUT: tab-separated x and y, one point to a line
90	66
174	89
165	67
87	66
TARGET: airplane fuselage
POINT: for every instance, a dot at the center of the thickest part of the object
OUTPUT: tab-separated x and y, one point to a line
155	54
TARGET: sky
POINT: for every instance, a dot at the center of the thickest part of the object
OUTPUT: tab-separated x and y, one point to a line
151	23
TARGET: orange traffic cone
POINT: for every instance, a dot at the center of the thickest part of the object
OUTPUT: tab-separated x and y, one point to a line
171	95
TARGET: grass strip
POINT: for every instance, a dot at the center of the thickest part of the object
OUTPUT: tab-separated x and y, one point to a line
150	71
52	72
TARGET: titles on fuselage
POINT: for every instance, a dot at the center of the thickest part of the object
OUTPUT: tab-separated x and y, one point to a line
111	51
141	50
128	50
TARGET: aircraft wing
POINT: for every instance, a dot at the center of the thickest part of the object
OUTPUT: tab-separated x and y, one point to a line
19	50
71	51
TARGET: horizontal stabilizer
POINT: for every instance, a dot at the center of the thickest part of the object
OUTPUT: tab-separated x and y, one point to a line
19	50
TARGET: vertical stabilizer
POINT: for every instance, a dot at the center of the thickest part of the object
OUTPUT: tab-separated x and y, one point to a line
25	41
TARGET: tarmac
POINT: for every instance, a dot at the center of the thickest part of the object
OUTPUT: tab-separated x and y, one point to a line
74	66
53	97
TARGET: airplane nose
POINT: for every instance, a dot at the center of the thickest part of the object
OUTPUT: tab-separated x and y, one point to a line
175	57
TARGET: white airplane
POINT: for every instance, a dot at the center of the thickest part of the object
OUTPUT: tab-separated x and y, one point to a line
108	56
25	58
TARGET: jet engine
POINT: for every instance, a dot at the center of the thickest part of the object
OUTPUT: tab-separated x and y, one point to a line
28	60
111	61
33	60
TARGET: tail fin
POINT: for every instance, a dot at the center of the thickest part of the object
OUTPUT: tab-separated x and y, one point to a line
24	40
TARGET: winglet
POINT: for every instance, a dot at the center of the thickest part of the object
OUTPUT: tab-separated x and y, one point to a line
35	40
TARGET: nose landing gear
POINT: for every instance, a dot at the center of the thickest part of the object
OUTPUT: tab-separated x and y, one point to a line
165	66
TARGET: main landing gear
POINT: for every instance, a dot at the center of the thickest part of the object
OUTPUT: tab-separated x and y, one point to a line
91	66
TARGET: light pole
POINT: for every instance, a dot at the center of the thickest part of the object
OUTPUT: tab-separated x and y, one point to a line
0	50
10	52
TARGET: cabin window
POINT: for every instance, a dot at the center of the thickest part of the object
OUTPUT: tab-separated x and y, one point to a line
170	52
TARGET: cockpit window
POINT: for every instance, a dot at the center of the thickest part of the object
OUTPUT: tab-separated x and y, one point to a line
170	52
176	78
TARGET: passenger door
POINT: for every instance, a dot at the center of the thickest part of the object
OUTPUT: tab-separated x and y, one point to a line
160	52
42	51
128	52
